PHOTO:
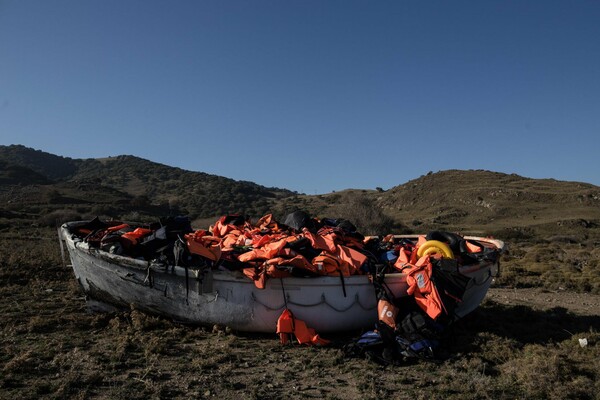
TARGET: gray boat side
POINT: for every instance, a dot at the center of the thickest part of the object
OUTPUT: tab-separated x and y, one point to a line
228	298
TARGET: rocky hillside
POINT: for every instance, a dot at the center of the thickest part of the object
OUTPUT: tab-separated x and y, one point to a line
38	183
12	174
51	166
144	183
552	228
468	199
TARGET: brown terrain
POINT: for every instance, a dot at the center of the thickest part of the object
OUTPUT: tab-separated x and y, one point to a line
535	336
543	300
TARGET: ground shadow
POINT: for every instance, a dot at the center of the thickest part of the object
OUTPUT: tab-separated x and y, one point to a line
522	324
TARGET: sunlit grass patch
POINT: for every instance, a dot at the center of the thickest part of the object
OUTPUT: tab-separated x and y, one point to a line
562	370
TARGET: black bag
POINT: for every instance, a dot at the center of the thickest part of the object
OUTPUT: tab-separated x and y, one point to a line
450	284
298	220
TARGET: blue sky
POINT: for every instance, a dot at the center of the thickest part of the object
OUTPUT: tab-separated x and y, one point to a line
312	96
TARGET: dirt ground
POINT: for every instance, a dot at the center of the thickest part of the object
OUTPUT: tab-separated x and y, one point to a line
540	299
51	347
521	343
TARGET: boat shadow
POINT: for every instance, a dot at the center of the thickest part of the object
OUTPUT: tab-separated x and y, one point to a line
492	322
521	324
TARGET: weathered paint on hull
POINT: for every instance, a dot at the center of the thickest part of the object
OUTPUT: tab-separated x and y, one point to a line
231	299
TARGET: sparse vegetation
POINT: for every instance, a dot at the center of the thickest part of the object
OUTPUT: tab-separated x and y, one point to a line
524	342
52	348
362	211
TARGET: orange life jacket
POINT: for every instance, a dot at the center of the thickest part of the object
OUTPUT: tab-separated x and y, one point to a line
222	227
403	260
117	227
354	258
234	238
288	325
268	223
422	288
328	264
273	271
320	242
387	313
200	243
267	251
290	259
258	274
261	240
134	237
472	247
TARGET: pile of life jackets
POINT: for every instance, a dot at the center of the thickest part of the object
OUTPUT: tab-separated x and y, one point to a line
269	249
152	242
301	246
412	326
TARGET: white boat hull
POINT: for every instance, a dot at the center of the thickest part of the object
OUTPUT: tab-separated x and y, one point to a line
231	299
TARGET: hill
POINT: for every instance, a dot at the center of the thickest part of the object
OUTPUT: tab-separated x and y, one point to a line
11	174
478	198
148	186
475	201
536	328
51	166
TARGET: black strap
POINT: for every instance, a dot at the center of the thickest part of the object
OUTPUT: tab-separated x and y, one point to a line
343	283
178	249
284	296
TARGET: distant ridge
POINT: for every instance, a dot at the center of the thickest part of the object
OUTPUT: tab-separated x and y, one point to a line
51	166
196	193
11	174
474	200
478	198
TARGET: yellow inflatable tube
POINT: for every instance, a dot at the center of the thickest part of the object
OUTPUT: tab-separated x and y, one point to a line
435	247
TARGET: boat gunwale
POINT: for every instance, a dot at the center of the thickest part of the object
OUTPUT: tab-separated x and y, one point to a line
236	276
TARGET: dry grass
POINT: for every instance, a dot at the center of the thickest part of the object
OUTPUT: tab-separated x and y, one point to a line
52	348
552	265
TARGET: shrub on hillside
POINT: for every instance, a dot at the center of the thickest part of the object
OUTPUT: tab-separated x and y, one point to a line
364	213
58	217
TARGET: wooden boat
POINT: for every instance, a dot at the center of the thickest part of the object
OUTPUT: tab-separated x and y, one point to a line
227	298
